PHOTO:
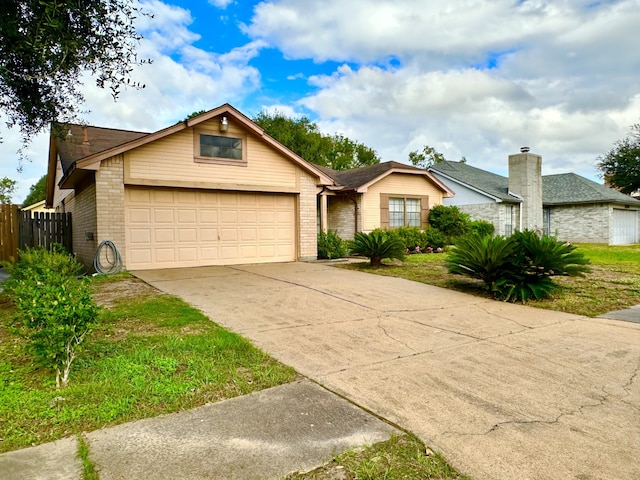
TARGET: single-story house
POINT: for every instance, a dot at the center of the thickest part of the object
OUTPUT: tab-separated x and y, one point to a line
384	195
210	190
568	206
215	189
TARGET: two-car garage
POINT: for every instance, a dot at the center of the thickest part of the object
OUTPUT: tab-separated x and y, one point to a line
168	227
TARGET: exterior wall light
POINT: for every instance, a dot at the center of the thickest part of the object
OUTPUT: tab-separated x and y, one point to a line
224	124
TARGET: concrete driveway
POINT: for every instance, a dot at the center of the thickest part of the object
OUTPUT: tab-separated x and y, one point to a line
504	391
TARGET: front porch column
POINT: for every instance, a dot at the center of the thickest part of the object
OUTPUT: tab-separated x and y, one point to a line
324	223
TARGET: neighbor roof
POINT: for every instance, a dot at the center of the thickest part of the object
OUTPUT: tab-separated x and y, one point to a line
572	188
564	188
491	184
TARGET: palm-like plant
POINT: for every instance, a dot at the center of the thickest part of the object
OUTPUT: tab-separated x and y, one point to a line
519	267
486	258
377	246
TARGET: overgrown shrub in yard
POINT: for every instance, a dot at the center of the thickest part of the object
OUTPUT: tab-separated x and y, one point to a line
481	227
519	267
330	245
55	311
378	245
450	220
434	238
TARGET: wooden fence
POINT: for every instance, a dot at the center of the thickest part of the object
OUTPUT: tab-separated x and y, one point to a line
9	237
26	229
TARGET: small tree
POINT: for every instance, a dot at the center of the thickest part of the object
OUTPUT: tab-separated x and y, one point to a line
7	187
620	166
55	311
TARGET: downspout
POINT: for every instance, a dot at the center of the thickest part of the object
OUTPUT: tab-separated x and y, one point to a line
519	207
355	212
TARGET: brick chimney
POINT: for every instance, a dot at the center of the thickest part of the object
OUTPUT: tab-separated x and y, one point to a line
525	180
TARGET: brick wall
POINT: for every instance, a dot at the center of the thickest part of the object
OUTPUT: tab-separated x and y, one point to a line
307	218
499	214
340	213
589	223
110	203
82	206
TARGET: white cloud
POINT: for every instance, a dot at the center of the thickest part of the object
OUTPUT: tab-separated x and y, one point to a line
221	3
473	78
182	79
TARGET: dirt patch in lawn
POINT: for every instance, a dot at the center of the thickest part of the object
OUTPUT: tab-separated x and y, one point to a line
109	294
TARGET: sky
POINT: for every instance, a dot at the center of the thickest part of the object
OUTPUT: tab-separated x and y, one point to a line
471	78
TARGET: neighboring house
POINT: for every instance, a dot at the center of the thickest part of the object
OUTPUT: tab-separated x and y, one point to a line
385	195
568	206
38	207
210	190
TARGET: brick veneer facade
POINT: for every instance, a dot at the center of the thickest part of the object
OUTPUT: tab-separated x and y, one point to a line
307	218
110	203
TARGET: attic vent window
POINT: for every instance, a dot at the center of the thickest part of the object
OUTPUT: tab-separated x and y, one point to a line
219	149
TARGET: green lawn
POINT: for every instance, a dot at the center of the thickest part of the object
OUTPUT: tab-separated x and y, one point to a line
613	284
151	355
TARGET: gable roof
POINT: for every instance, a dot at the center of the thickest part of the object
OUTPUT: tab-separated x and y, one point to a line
101	143
491	184
559	189
359	179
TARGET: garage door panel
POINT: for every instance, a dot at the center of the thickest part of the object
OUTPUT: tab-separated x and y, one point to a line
625	227
164	235
189	228
162	196
187	235
209	235
165	255
140	236
140	215
187	254
163	215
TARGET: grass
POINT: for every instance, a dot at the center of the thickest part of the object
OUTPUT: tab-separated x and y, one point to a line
401	457
613	284
151	355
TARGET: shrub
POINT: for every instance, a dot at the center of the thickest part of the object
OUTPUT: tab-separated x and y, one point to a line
330	245
434	238
54	310
378	245
519	267
449	220
411	237
481	228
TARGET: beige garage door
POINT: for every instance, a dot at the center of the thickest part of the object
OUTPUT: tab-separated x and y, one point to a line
181	228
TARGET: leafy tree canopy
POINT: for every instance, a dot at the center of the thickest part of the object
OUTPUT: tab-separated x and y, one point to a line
427	157
303	137
37	192
620	166
45	46
7	188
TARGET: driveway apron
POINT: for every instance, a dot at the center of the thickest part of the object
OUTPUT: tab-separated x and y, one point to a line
504	391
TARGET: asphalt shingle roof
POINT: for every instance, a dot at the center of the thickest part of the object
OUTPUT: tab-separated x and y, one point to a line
72	147
356	177
564	188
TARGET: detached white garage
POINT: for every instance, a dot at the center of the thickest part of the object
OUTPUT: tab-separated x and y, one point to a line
168	228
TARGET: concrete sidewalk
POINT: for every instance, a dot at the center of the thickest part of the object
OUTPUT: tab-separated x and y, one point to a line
264	435
504	391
